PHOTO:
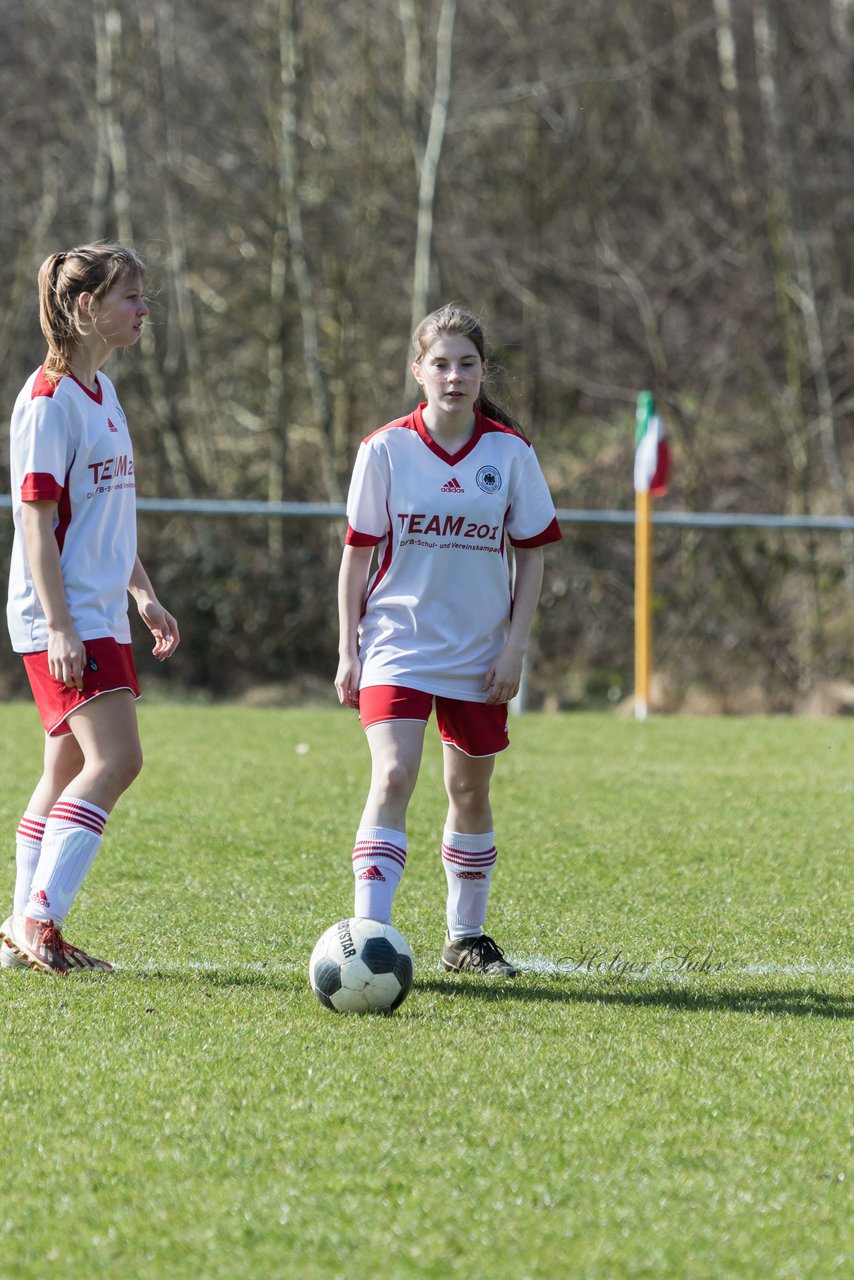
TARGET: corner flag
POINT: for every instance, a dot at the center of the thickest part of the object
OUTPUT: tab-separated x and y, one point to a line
652	456
652	463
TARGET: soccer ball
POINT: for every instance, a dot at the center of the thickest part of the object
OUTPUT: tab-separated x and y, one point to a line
361	966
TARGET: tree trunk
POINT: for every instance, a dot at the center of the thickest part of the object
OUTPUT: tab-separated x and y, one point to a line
795	283
289	192
181	332
108	33
428	157
726	46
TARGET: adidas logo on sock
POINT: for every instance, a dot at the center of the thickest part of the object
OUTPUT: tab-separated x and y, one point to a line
371	873
39	896
453	486
470	875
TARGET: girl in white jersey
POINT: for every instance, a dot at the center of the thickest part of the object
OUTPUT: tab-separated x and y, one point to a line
74	561
436	496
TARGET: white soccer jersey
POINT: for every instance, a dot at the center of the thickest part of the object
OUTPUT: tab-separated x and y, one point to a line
437	608
72	446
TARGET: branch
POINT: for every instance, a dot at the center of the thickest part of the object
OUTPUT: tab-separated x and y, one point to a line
599	75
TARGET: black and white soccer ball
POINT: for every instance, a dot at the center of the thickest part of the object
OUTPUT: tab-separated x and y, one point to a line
361	966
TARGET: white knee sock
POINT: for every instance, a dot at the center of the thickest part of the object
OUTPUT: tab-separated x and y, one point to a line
468	862
72	837
28	846
379	857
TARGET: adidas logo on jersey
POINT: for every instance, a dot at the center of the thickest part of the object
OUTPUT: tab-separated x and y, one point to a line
453	486
112	428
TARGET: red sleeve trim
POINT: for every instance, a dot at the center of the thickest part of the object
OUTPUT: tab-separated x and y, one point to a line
551	534
407	423
40	486
356	539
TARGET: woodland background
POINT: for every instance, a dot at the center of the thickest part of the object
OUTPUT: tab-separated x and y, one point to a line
632	193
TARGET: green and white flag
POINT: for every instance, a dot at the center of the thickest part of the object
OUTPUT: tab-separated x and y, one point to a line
652	456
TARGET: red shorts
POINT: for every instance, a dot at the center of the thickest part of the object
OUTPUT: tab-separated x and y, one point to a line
475	728
109	666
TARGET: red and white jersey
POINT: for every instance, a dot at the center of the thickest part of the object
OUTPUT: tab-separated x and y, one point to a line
437	608
72	446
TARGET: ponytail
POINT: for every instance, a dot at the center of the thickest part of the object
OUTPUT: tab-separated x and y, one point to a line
498	413
56	319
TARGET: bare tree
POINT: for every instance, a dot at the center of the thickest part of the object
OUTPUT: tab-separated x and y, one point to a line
726	46
181	334
796	284
290	64
108	36
428	152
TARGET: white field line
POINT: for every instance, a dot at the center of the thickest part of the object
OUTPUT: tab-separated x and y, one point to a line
606	967
701	965
209	966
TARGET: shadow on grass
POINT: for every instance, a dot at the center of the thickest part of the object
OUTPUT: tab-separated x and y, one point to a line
793	1003
796	1002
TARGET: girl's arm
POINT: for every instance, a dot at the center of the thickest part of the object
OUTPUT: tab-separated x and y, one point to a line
503	678
66	653
161	624
352	581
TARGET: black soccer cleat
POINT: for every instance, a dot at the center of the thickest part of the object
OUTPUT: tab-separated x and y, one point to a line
478	954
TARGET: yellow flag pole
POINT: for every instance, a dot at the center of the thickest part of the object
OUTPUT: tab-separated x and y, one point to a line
643	602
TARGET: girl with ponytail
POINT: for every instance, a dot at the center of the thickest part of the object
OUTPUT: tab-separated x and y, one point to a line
436	497
74	561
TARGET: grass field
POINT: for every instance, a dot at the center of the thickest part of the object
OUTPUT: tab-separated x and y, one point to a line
613	1112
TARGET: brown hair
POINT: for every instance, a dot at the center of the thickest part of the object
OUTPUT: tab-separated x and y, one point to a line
91	268
452	321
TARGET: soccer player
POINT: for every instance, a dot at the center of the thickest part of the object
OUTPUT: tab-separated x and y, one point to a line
74	561
436	496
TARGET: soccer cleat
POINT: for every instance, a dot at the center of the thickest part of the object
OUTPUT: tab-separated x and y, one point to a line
37	942
77	959
478	954
9	959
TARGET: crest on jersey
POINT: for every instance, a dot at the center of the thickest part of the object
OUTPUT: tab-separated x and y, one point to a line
489	479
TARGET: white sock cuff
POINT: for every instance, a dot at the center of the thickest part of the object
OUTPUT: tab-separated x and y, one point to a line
469	851
380	845
68	812
31	829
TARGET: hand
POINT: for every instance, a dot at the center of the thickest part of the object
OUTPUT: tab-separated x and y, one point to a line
162	626
504	677
66	657
347	681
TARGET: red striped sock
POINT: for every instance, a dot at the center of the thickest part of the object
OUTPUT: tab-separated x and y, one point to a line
72	837
468	861
379	858
28	847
